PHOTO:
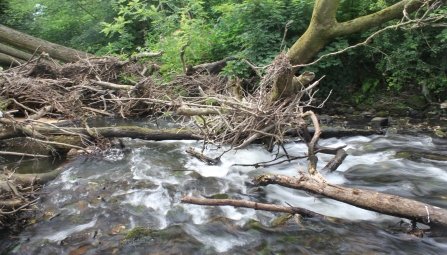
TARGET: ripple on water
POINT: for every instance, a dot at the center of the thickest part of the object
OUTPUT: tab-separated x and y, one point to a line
144	185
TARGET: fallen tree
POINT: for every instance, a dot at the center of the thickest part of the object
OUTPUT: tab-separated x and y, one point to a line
277	106
23	41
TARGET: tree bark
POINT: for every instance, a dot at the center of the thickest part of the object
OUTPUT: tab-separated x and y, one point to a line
203	158
432	216
257	206
123	131
324	27
30	43
8	60
15	54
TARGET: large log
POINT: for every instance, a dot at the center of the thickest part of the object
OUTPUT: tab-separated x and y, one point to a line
123	131
432	216
14	53
30	43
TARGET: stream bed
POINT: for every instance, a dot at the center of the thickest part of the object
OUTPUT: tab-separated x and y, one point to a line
128	201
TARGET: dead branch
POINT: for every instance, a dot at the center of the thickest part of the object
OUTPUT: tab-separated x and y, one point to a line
57	143
20	208
22	154
186	111
432	216
336	161
109	85
272	162
41	112
25	129
200	156
257	206
141	55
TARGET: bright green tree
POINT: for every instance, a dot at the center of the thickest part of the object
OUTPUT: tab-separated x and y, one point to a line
74	23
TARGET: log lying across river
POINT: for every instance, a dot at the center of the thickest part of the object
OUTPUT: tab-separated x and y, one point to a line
123	131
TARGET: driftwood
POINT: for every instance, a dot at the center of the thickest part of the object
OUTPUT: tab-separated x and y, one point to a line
314	183
110	132
415	211
200	156
257	206
22	154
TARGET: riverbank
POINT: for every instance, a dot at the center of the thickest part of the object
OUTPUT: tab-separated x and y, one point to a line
405	114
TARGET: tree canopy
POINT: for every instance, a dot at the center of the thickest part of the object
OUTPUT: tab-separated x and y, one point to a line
256	30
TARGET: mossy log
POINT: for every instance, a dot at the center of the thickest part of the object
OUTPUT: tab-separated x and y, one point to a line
123	131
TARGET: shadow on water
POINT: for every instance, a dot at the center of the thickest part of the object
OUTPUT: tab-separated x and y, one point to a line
129	202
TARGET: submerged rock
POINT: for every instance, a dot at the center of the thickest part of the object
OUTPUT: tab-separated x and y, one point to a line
439	133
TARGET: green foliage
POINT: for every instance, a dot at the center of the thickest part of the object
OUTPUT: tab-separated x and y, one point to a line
369	85
251	29
209	101
236	68
126	78
419	60
254	29
395	60
166	26
73	23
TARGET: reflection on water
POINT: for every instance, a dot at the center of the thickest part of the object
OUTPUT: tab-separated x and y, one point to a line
129	202
30	165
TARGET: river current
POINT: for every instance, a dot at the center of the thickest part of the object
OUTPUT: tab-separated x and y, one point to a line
128	202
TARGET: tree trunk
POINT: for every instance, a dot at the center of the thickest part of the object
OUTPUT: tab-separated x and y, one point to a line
8	60
30	43
17	54
324	27
432	216
109	132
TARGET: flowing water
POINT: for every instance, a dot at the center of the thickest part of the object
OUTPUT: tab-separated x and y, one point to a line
128	202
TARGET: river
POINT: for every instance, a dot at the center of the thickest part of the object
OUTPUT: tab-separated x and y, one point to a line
128	202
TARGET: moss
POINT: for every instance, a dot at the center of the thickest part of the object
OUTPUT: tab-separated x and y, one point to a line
439	133
398	109
220	196
403	155
281	220
253	224
72	140
382	114
137	233
362	107
341	110
417	102
435	157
